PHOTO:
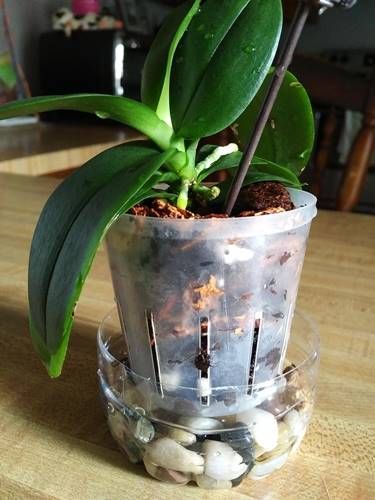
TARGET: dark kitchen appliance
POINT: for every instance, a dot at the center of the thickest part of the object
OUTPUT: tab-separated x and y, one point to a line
102	61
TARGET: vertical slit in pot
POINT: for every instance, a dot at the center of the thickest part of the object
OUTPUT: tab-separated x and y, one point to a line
288	325
203	361
122	323
254	350
154	350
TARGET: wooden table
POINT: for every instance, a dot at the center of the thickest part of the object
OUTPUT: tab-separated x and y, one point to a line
47	148
54	441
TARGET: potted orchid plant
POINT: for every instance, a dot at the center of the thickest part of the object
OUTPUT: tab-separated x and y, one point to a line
205	301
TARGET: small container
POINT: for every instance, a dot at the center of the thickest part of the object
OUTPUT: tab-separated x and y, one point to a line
206	304
177	443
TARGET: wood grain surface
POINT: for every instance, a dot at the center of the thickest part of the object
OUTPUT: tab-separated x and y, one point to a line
54	442
45	148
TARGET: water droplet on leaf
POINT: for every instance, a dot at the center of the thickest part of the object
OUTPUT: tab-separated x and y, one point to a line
295	84
207	36
304	154
248	49
102	114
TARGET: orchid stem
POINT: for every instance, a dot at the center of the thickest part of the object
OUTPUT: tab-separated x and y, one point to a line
183	197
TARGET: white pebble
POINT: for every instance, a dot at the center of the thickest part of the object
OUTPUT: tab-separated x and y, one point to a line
166	475
124	438
116	425
221	461
285	437
295	423
262	425
167	453
208	483
183	437
200	423
263	469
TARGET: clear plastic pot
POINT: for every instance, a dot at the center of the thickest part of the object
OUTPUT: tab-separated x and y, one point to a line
206	304
178	446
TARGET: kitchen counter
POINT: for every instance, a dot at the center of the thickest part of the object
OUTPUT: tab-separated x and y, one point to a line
54	441
47	148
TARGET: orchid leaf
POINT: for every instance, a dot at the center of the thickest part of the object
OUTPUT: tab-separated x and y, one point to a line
260	169
268	171
221	62
65	205
78	248
157	69
288	138
225	162
121	109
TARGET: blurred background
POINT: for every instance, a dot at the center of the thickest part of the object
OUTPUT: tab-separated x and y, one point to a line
60	46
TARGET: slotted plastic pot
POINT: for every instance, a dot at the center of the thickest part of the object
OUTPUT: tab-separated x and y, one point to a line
206	309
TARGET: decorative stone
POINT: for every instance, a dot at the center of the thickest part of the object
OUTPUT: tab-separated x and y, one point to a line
295	423
208	483
280	449
241	440
120	432
258	451
165	475
183	437
133	396
284	433
243	443
284	445
168	454
263	427
200	423
239	479
297	394
142	429
266	467
221	461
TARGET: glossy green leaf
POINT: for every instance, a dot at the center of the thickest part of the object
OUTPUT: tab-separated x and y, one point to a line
221	62
270	172
157	69
259	167
261	170
121	109
7	74
78	248
151	188
66	203
288	138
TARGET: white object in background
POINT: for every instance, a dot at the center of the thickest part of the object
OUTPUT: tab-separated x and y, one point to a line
352	125
19	120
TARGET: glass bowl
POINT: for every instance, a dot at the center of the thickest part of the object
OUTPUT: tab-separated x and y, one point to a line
171	430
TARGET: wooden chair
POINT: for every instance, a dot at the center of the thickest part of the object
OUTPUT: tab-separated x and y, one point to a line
338	89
